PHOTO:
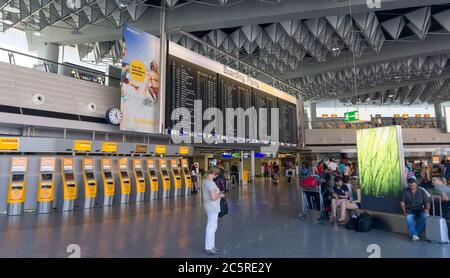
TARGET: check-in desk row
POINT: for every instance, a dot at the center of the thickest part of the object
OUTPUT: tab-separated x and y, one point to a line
43	184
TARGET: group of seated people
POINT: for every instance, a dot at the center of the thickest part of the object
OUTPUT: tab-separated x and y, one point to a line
344	196
341	196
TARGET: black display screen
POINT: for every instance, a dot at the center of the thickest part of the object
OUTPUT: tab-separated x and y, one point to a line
69	177
124	174
164	172
152	173
139	174
18	177
108	175
233	94
188	82
175	172
46	177
90	176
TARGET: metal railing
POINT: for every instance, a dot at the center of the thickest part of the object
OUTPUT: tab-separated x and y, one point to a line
64	69
338	123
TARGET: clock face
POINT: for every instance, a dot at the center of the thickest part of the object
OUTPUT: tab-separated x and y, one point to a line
114	116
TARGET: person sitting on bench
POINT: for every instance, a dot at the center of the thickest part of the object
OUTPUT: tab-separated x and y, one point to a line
340	196
415	205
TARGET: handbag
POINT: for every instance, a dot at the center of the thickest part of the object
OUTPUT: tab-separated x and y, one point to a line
223	207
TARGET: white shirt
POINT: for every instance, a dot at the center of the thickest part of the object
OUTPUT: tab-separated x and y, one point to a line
333	166
210	205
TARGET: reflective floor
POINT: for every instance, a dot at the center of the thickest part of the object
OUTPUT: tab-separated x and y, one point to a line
261	223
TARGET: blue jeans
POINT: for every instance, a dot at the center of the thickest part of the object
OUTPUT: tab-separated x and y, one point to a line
416	228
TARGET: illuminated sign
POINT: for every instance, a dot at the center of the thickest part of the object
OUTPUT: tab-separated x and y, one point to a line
82	146
9	144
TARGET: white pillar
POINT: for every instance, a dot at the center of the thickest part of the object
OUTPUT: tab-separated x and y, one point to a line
162	68
313	109
252	167
50	52
241	170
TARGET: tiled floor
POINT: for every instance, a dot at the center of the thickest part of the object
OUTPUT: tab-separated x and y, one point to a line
261	223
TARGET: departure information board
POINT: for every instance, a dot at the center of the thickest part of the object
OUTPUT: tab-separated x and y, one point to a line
188	82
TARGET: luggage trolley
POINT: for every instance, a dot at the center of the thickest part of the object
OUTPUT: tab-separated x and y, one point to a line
312	200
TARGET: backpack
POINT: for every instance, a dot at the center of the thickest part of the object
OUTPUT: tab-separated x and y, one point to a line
365	222
309	182
352	224
223	207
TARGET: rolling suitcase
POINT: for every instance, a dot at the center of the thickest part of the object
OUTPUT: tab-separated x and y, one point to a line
436	226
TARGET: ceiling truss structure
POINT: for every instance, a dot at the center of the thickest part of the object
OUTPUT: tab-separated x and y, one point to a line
278	48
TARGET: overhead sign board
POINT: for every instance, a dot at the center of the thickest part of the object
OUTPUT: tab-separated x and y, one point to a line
356	116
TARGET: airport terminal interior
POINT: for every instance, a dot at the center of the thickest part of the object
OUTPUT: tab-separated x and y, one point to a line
224	128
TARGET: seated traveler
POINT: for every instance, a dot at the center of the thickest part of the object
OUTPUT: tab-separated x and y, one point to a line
339	197
415	206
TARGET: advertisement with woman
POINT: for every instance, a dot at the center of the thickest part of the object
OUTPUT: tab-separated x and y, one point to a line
140	81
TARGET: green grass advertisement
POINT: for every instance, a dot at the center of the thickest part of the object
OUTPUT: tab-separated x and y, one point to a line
380	158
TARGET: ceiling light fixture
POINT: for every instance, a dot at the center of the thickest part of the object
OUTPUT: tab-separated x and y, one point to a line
76	32
11	9
123	4
335	48
7	21
37	33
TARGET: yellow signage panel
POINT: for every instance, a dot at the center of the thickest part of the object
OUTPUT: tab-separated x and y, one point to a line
160	149
82	146
109	147
140	148
9	144
184	150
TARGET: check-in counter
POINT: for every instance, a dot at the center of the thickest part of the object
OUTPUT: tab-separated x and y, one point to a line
153	178
176	177
17	185
88	192
109	189
69	194
187	179
125	182
139	180
165	177
46	184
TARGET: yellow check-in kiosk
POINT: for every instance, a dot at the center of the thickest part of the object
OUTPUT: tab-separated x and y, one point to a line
139	179
153	178
165	177
90	184
108	181
17	184
177	184
69	184
186	176
125	183
46	184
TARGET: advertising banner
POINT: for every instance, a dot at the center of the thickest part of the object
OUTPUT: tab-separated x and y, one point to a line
381	167
140	81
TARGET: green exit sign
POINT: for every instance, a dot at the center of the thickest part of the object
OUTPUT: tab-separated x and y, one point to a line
357	116
236	154
351	116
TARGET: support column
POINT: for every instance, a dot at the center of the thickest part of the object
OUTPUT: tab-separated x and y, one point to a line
439	115
241	169
49	51
162	67
252	167
313	108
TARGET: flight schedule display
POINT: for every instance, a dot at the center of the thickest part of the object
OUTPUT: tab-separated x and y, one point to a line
188	82
288	122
